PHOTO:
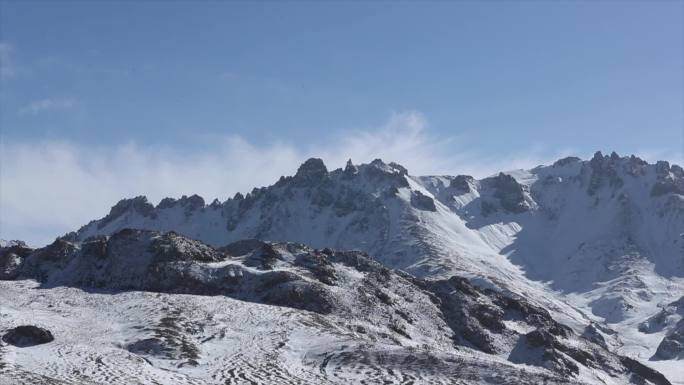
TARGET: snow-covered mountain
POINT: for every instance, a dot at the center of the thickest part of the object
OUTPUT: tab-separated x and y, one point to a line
597	243
606	235
340	317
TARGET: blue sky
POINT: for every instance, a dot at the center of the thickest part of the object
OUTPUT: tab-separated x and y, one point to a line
447	87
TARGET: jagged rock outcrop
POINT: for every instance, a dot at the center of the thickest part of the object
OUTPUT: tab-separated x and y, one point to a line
138	205
11	258
603	171
510	193
507	193
422	202
462	183
311	171
672	346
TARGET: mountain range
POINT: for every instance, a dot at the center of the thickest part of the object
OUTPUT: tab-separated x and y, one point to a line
567	273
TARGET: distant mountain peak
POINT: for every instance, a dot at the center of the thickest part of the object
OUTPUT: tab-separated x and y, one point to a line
312	170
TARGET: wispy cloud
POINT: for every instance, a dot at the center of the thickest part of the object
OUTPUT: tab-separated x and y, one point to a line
50	104
50	188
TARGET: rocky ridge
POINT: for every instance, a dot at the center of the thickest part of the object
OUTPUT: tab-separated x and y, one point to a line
345	289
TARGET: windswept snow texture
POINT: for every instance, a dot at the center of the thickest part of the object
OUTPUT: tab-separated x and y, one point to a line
149	307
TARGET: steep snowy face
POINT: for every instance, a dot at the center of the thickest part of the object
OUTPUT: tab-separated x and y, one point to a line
363	310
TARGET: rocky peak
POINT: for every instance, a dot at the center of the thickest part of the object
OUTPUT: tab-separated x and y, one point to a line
12	243
350	169
138	205
311	171
393	174
391	168
635	166
166	203
401	169
668	179
462	183
192	202
677	171
567	160
662	169
604	171
12	254
597	159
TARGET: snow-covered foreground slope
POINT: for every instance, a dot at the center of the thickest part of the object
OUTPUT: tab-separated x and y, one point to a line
153	308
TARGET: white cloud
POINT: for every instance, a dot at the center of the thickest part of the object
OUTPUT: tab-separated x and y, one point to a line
43	105
50	188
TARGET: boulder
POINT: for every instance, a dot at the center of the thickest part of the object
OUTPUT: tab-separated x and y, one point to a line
27	335
422	202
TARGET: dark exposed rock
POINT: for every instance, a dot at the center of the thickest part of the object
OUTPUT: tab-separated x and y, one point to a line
263	258
350	170
592	334
539	338
558	363
319	265
166	203
635	166
567	160
644	371
301	295
402	170
148	346
242	247
191	203
662	169
603	171
422	202
11	259
672	345
665	183
54	256
462	183
510	193
172	246
311	171
665	187
393	175
96	247
27	335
